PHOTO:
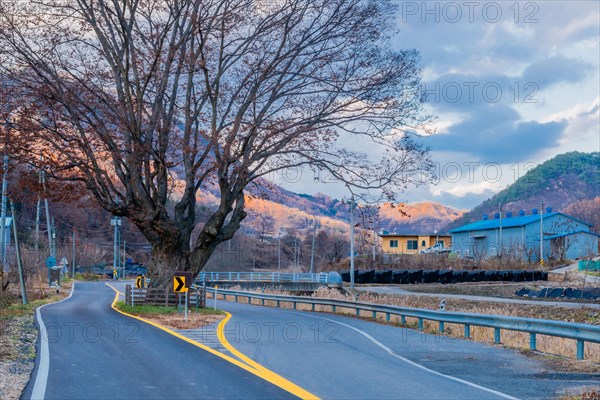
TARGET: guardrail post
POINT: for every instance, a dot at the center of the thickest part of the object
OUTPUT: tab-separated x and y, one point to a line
235	298
334	308
420	324
497	335
229	277
277	303
532	342
249	300
263	302
313	307
387	316
580	349
374	314
357	312
441	327
251	276
403	320
294	305
467	331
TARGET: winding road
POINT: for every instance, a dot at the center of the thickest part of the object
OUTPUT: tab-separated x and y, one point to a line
87	350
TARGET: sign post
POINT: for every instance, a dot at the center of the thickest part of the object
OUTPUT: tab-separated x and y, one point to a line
182	280
216	288
186	305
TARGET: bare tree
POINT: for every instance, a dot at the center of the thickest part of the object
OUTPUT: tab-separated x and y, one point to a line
588	211
265	226
148	102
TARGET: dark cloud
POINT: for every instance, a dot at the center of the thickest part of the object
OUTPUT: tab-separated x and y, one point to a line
554	70
495	133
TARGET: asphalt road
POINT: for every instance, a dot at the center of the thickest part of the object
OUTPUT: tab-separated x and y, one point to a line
95	353
338	357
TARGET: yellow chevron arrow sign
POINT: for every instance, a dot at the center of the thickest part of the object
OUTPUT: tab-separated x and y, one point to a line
179	284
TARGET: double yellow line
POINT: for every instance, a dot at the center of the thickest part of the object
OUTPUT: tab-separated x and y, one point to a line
246	362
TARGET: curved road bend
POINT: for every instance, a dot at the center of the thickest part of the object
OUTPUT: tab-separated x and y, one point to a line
97	353
337	357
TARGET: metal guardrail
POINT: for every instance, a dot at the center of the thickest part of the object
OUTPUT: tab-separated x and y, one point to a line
580	332
273	277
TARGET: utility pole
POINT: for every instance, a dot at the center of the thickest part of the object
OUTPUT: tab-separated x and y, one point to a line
124	257
48	223
18	253
500	213
542	234
73	238
374	236
53	239
279	250
352	243
312	253
3	215
38	212
295	265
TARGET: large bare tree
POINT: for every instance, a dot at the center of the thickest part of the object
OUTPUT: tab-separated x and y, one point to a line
146	102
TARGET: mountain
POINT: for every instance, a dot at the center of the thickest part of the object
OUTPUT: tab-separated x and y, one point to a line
297	210
422	217
559	182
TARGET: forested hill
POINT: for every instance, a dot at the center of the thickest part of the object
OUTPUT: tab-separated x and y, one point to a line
559	182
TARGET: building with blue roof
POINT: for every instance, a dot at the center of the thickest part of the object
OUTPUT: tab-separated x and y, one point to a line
563	237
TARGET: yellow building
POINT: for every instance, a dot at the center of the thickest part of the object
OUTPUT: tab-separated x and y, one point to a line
396	243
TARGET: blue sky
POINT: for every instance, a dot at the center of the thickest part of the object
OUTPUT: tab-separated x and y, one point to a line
512	84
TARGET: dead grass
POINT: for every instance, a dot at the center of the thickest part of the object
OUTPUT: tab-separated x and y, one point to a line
177	321
564	348
591	393
18	333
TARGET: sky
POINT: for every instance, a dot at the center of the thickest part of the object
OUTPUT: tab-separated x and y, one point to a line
512	84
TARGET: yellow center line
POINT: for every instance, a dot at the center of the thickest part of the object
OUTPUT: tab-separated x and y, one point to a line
249	365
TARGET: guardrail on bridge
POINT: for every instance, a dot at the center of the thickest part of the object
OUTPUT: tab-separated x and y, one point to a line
272	277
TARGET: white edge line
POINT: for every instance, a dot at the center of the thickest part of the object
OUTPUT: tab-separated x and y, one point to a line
41	378
414	364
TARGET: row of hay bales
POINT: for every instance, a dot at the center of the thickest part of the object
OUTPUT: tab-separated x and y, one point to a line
442	276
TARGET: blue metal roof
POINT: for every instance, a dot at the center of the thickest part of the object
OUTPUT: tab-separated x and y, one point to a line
511	222
570	233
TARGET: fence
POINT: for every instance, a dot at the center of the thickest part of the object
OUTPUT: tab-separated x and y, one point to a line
442	276
274	277
588	265
164	297
580	332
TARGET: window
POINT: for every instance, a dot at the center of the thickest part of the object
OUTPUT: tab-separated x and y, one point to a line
493	252
412	244
423	243
393	243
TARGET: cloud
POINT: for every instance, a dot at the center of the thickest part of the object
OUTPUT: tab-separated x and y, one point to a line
557	69
495	133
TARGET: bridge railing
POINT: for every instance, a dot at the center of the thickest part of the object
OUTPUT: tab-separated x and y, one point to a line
580	332
273	277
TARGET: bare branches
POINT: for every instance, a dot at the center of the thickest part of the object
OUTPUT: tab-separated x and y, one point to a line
137	98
